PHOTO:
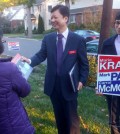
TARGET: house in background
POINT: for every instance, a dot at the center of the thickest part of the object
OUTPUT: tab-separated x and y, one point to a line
85	11
88	11
18	19
81	12
42	8
15	15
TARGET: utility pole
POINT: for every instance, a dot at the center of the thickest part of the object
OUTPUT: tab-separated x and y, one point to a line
105	22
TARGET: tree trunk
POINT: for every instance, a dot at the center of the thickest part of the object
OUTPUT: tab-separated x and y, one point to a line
67	3
105	22
29	23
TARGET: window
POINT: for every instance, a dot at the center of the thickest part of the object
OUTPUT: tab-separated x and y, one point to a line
72	18
73	2
49	8
49	22
39	8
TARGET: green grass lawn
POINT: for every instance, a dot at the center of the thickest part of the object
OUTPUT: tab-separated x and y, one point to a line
92	109
22	35
14	35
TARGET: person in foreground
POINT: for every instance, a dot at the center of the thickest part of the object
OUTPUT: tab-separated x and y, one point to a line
13	117
111	46
62	49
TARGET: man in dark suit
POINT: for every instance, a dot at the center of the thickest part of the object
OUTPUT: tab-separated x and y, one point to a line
62	50
111	46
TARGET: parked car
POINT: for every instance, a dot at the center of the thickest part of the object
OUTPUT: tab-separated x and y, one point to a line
92	46
88	34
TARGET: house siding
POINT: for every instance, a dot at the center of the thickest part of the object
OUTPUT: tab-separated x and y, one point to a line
81	12
84	3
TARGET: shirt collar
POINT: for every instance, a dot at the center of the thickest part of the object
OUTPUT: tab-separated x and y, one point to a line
65	33
119	37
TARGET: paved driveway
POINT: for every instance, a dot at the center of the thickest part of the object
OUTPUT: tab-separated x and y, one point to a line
28	47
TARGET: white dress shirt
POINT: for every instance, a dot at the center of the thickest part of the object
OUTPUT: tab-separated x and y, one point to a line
117	44
64	40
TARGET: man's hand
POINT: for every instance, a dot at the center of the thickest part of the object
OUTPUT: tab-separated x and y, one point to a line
80	85
98	93
24	59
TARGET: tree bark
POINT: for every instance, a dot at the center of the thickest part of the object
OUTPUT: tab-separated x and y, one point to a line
105	22
29	23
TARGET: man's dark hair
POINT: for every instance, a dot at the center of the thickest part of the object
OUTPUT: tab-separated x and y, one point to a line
64	10
117	16
1	46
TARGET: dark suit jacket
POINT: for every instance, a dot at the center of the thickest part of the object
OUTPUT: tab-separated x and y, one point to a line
108	47
75	50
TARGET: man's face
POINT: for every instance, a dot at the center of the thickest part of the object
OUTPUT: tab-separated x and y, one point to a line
117	26
58	21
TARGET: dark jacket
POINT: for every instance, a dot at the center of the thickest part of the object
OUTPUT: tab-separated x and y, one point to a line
13	117
108	47
75	50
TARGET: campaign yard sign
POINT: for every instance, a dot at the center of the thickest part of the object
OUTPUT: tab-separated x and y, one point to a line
108	76
13	46
24	67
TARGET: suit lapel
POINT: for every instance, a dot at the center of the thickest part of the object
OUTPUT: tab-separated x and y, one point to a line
53	45
67	46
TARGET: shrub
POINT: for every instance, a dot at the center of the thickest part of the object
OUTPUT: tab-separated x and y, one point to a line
40	25
93	26
5	25
82	26
49	31
92	70
18	29
73	26
6	30
35	31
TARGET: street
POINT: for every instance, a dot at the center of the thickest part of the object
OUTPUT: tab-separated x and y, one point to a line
28	47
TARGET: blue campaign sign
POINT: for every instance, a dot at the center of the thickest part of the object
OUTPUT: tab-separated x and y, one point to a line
13	46
108	75
109	87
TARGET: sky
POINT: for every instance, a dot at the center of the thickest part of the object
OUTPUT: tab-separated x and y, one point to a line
116	4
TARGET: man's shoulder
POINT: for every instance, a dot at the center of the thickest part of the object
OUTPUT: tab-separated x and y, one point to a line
49	35
110	39
75	36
